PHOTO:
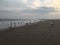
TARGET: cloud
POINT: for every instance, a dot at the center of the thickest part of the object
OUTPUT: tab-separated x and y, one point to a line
39	3
11	5
56	4
40	10
51	3
32	3
28	8
25	4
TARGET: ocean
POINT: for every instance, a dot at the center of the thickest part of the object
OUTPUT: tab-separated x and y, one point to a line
6	24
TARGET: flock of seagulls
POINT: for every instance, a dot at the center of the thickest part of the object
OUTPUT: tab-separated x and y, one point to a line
14	24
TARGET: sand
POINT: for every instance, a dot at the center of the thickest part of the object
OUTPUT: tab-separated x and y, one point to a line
40	33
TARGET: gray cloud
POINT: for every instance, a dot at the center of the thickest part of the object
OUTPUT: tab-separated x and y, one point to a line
40	10
10	4
19	5
7	6
17	9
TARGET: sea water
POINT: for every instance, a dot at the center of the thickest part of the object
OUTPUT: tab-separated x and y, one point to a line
6	24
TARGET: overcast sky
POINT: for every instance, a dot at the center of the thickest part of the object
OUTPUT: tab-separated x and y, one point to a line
23	4
13	8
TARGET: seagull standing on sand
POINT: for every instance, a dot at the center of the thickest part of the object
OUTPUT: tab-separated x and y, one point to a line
52	24
14	24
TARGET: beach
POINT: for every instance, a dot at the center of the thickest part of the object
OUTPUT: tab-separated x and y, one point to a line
40	33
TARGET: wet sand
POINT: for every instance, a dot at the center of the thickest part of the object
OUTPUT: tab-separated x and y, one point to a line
35	34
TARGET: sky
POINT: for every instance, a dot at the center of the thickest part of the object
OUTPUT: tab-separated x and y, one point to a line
30	8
